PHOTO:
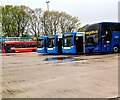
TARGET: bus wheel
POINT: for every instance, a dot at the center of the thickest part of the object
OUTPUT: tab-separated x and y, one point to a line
13	51
33	50
116	49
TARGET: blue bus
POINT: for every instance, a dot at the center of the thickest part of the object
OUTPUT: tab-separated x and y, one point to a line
73	42
54	44
41	44
102	37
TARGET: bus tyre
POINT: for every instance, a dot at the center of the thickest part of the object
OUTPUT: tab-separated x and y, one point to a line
116	49
13	51
33	50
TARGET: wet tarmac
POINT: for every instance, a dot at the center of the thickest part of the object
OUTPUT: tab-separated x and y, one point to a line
32	75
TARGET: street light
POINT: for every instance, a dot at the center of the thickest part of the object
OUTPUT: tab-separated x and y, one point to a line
119	11
48	4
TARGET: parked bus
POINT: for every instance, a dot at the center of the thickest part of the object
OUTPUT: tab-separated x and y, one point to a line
54	44
18	44
41	44
103	37
73	42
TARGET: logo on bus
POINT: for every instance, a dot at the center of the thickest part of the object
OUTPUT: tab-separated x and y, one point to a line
91	32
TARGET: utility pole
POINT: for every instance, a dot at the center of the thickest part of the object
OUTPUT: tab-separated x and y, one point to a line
48	4
119	11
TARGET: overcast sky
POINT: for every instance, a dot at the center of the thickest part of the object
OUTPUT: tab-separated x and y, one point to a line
88	11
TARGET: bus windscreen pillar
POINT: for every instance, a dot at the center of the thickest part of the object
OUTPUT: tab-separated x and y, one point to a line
119	11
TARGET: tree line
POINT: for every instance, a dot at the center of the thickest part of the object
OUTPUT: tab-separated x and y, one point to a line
24	21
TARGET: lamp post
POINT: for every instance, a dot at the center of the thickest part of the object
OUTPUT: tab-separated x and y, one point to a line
119	11
48	4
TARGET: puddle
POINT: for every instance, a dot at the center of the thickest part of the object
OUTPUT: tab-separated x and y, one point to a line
64	59
60	59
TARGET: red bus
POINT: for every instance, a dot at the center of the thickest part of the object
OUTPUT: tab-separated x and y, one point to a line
18	46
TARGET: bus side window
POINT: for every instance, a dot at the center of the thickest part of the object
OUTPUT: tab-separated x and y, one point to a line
33	45
23	45
26	45
17	46
12	45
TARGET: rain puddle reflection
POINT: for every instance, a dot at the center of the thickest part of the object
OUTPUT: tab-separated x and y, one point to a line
63	59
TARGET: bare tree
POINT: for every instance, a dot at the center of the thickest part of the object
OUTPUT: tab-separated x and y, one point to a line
54	21
68	23
36	25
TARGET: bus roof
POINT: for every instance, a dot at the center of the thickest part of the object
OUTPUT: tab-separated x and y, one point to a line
19	42
70	32
18	39
100	23
106	23
109	22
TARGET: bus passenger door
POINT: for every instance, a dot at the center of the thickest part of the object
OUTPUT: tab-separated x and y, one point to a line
59	44
106	43
79	44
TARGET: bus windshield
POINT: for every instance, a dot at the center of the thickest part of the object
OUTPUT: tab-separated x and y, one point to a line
50	42
40	43
92	34
67	41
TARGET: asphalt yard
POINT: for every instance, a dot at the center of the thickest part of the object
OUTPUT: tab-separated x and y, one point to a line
32	75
